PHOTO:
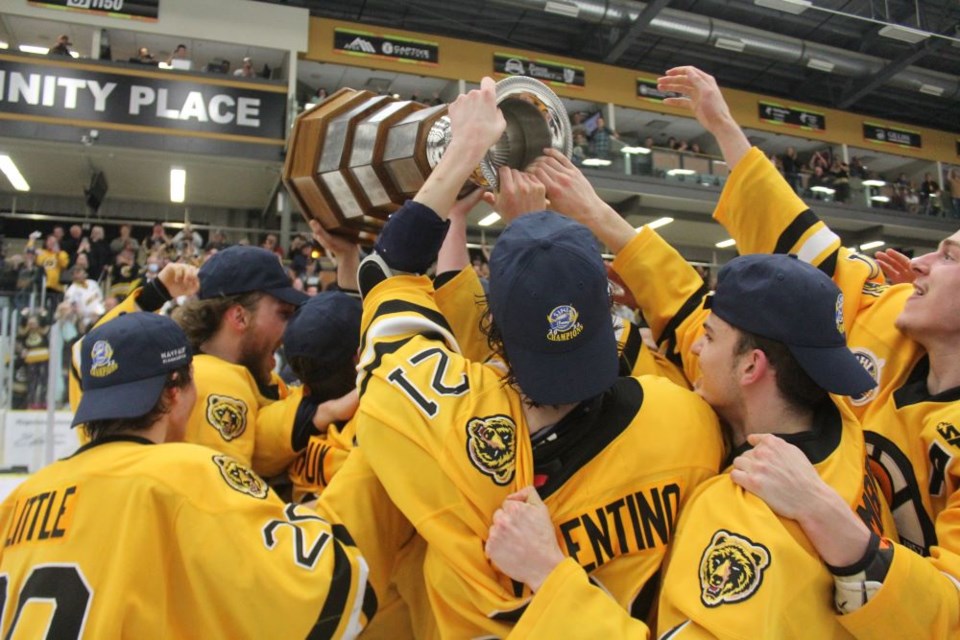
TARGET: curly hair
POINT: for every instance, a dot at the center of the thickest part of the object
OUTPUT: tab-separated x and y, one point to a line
200	319
99	429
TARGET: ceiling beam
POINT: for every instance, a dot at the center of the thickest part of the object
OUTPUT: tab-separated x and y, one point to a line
893	68
642	22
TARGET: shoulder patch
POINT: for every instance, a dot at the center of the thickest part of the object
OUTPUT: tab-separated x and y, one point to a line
239	478
731	569
227	415
874	367
492	447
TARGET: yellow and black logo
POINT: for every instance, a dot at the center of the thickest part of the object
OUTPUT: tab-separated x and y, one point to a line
731	569
227	415
492	447
239	478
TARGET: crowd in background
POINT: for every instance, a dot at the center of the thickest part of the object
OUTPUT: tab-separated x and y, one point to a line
74	274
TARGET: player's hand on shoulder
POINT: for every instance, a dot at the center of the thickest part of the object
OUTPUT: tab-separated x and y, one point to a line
522	543
337	410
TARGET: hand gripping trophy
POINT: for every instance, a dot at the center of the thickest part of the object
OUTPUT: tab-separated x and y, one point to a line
356	157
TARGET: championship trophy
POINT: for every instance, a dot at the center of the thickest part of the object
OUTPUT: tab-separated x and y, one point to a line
356	157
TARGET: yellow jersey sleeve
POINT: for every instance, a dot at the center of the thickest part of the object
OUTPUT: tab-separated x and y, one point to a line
462	302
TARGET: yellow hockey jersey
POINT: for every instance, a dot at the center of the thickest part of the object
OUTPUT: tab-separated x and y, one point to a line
127	539
911	437
738	571
324	455
449	442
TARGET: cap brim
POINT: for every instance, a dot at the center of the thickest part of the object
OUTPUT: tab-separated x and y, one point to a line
835	369
128	400
289	295
568	377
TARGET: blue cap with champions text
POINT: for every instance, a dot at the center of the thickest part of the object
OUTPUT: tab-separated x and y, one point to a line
782	298
548	296
326	328
243	269
124	365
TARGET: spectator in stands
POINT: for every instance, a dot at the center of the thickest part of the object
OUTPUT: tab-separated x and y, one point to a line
85	297
911	198
53	261
839	176
272	243
791	168
29	279
158	239
246	69
600	139
695	148
124	275
144	57
820	159
99	253
125	241
817	179
188	233
180	53
857	170
930	196
34	348
576	123
71	243
62	47
681	146
218	240
581	147
953	184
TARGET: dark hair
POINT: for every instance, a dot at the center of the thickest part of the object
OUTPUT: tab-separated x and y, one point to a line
490	329
793	383
99	429
200	319
325	381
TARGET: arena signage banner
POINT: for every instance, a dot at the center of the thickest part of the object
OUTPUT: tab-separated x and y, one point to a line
555	73
776	113
647	90
388	47
882	134
83	95
148	10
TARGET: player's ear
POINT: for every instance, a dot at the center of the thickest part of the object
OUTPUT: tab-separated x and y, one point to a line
752	366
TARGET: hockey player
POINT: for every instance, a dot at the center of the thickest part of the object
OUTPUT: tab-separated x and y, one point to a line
140	535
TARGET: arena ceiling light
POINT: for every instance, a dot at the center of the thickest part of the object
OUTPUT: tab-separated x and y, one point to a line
730	44
660	222
796	7
596	162
931	89
680	172
4	45
9	169
29	48
872	245
883	199
726	244
635	150
822	189
903	34
178	185
567	9
489	219
821	65
874	183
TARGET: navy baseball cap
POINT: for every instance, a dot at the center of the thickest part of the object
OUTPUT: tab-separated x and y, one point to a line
124	365
243	269
548	296
326	328
785	299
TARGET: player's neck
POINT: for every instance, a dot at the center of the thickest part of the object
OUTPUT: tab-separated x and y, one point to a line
770	413
543	416
944	366
223	346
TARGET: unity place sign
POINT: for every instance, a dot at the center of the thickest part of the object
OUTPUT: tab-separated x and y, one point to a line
136	100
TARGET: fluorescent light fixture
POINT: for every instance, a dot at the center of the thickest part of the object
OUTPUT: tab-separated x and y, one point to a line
164	65
680	172
931	89
874	183
562	8
178	185
4	45
729	242
29	48
903	34
796	7
820	65
13	174
74	55
880	198
635	150
596	162
872	245
822	189
489	219
730	44
660	222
